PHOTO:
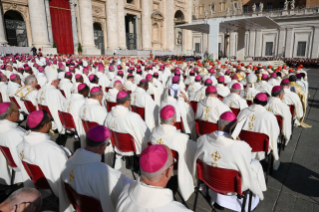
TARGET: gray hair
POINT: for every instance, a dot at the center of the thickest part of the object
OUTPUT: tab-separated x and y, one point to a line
95	94
10	110
156	176
225	126
30	79
168	121
235	90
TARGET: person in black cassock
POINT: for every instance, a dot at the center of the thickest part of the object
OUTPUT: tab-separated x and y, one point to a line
34	50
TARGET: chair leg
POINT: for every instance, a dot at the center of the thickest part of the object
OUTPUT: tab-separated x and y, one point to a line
13	174
183	201
133	175
244	202
271	164
268	167
250	200
114	159
196	195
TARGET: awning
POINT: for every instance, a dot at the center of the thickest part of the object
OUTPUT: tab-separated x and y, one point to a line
233	24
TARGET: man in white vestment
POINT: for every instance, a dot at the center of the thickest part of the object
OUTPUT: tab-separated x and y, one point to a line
263	85
154	91
66	84
257	119
167	134
112	93
234	100
277	107
302	84
42	79
10	136
3	88
37	148
194	87
87	175
222	90
210	108
273	81
129	83
138	76
148	193
218	149
200	94
291	98
250	91
104	81
13	85
141	98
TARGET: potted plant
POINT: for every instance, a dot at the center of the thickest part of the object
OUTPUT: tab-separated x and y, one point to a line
55	46
80	49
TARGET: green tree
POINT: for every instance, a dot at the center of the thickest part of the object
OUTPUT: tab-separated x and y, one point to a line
80	48
55	46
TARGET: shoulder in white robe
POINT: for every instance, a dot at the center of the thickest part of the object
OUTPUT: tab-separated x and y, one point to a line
235	101
291	98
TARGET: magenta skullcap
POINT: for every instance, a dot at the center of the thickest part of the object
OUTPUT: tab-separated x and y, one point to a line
35	118
98	133
262	97
221	79
139	70
120	72
130	75
61	66
227	72
4	107
235	77
71	68
175	79
119	67
121	95
85	70
143	80
167	112
77	76
236	86
177	73
211	89
155	74
264	76
81	86
198	78
13	76
276	88
118	81
211	71
299	76
192	72
273	74
208	81
91	77
153	158
228	116
285	81
148	76
110	67
68	73
101	68
41	69
95	89
2	67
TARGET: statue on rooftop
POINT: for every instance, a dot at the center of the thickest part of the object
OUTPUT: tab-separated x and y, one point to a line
292	5
254	7
286	5
261	7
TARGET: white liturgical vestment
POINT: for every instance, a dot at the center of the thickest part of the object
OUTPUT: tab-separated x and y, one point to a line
219	150
121	120
210	109
93	111
141	98
3	91
29	93
86	174
37	148
179	142
192	89
291	98
42	79
257	119
277	107
222	90
66	85
233	100
264	87
250	92
111	95
139	197
200	94
273	82
130	86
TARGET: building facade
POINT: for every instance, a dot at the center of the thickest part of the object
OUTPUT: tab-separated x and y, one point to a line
297	35
100	26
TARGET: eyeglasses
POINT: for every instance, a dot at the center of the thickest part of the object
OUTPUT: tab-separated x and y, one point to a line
174	162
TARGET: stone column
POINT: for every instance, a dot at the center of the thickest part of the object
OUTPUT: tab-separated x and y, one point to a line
47	10
137	31
232	43
74	27
189	45
289	43
251	52
112	38
258	44
2	30
213	37
146	24
87	28
315	43
281	42
240	55
170	25
121	24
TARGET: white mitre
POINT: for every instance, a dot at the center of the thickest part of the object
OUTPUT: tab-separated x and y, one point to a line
51	74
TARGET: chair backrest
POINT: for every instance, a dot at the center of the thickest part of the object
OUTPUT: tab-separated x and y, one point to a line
249	102
235	110
220	180
279	120
29	105
259	142
179	125
107	89
88	125
38	87
220	97
46	108
67	120
204	127
38	178
139	110
123	141
7	154
194	106
13	99
292	110
110	105
63	93
82	203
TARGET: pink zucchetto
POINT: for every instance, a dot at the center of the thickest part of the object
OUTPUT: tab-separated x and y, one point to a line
155	74
2	67
235	77
81	86
227	72
101	68
276	89
91	77
35	118
85	70
148	76
211	71
119	67
192	72
71	68
118	81
98	133
177	73
61	66
167	112
41	69
221	79
273	75
130	75
264	76
153	158
285	81
4	107
198	78
143	80
236	86
120	72
95	89
211	89
139	70
13	76
262	97
175	79
299	76
78	76
121	95
208	81
68	73
228	116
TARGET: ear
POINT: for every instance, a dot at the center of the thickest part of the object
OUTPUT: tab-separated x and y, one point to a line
168	173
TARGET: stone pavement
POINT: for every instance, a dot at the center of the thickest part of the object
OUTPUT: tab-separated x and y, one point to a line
294	186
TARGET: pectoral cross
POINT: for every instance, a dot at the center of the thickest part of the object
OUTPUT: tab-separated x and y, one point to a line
216	156
71	176
41	98
251	123
160	141
22	154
